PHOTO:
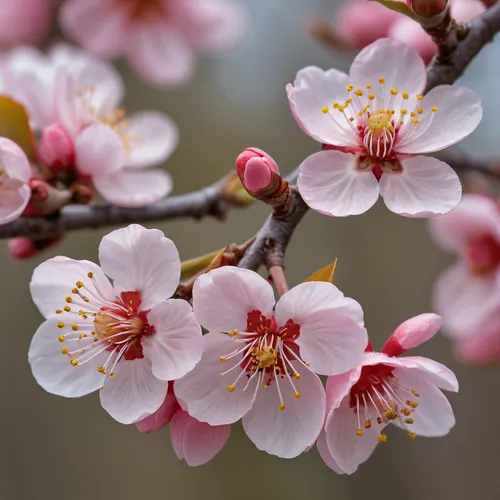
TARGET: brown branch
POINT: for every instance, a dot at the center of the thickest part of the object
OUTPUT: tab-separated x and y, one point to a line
463	163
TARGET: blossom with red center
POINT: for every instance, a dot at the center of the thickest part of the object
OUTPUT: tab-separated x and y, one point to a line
385	389
467	295
371	122
159	37
260	359
123	337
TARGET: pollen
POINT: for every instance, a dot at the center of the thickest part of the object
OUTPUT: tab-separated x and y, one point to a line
60	324
232	333
325	109
350	88
231	387
74	327
394	91
406	412
223	358
405	95
359	92
64	350
69	299
58	311
368	424
60	338
411	434
371	96
67	309
297	394
409	420
90	275
297	376
368	86
74	362
414	404
79	284
282	406
420	111
75	291
359	432
434	109
382	438
101	369
415	393
420	97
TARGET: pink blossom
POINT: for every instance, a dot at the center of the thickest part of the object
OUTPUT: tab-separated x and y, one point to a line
162	416
123	338
160	37
256	169
467	295
385	389
260	359
371	122
79	97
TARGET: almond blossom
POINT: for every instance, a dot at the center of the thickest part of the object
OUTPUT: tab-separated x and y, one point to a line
467	295
74	100
122	337
371	122
385	389
260	359
159	37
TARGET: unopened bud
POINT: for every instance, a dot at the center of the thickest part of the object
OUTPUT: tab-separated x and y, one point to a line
23	248
428	8
256	169
56	148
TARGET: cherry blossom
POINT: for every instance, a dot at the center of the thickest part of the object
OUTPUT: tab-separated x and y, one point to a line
467	295
371	122
159	37
260	359
74	100
385	389
121	337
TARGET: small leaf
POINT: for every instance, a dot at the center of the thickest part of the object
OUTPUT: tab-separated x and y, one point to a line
236	193
190	268
324	274
14	125
397	6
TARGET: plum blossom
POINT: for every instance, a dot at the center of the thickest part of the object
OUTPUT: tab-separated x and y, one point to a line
121	336
260	359
74	100
467	295
160	38
385	389
371	122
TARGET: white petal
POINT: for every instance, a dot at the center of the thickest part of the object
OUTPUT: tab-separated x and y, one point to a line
133	391
332	334
222	298
175	347
287	433
54	279
330	183
203	391
325	454
142	260
53	370
153	138
14	161
14	201
426	187
433	372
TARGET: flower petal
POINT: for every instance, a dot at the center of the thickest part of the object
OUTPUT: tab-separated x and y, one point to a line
99	151
339	386
222	298
53	370
204	392
134	189
196	442
426	187
54	280
433	372
287	433
175	347
153	137
325	454
330	183
160	417
133	391
332	334
142	260
458	114
14	161
480	349
14	201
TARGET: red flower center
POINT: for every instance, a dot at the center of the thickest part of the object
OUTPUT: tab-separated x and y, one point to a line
483	254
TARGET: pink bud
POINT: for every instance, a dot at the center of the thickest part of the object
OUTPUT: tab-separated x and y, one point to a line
21	248
56	147
255	169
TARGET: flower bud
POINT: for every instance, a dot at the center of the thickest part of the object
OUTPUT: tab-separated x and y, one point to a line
256	169
428	8
23	248
56	147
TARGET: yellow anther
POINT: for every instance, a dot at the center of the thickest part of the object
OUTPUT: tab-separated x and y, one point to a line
60	324
382	438
434	109
80	337
60	338
231	387
69	299
366	108
58	311
405	95
282	406
415	393
74	327
359	92
340	107
382	81
335	105
112	374
67	309
90	275
79	284
391	415
85	299
350	88
359	432
296	376
368	424
307	363
409	420
413	114
368	85
64	350
379	420
414	404
404	112
297	394
351	119
360	113
420	97
101	369
416	121
74	362
348	101
325	109
223	358
74	290
406	412
394	91
420	111
232	333
411	434
371	96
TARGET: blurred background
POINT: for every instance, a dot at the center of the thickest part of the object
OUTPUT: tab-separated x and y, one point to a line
56	449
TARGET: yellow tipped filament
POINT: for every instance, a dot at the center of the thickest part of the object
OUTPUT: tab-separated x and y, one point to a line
420	97
282	406
64	350
411	434
359	432
296	376
382	438
405	95
74	362
67	309
60	338
90	275
415	393
368	86
325	109
359	92
409	420
297	394
223	358
58	311
371	96
79	284
60	324
231	387
69	299
434	109
350	88
382	81
74	327
232	333
394	91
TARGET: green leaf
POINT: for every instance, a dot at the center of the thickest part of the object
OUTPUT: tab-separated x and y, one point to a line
324	274
398	6
190	268
14	124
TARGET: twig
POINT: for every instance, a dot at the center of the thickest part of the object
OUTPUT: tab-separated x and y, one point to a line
462	162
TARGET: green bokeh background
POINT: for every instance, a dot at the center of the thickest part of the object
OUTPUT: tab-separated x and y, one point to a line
53	448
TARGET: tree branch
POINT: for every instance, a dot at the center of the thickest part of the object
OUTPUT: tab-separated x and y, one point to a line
464	163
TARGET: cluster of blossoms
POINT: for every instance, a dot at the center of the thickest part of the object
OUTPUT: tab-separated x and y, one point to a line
111	328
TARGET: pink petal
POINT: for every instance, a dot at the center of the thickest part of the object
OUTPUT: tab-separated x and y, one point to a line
54	279
412	333
432	372
15	198
98	25
474	216
160	417
426	187
135	189
339	386
410	32
458	114
14	161
141	259
53	370
196	442
314	89
482	348
330	183
465	301
332	334
203	391
347	448
287	433
466	10
175	347
160	54
325	454
222	298
99	151
153	139
133	391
